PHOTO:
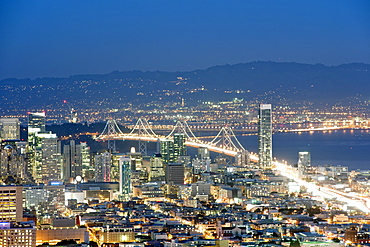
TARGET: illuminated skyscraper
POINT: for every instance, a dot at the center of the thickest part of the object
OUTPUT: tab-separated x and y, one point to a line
167	151
265	136
9	129
304	163
36	132
76	161
179	147
39	152
103	164
51	168
36	122
87	168
13	161
125	177
157	170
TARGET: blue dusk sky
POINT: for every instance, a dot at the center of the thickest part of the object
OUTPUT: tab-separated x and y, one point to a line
62	38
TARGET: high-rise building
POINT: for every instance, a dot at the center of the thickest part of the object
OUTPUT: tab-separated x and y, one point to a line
11	209
73	158
167	151
51	168
125	177
265	136
9	129
157	170
36	133
304	163
36	122
87	169
13	160
179	147
115	168
36	150
103	164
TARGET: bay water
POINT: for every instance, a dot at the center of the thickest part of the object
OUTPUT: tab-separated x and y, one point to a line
349	148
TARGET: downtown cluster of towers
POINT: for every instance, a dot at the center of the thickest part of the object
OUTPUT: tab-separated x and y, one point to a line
42	159
39	159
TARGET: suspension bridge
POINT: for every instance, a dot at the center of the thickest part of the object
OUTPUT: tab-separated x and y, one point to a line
225	142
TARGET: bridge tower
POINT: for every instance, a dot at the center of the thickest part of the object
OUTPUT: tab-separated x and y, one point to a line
226	139
182	127
111	130
143	129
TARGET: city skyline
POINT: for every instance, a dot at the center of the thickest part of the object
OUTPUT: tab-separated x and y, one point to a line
185	123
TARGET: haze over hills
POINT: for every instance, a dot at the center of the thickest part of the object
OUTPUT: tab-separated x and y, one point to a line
278	83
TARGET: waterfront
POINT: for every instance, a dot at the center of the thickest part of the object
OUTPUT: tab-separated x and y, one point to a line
341	147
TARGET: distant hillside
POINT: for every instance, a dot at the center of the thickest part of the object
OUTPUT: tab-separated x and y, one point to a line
265	81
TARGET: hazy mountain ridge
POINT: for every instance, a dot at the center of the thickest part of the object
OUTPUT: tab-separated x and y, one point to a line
255	80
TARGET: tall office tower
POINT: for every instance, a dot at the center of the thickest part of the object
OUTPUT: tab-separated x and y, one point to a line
88	171
167	151
36	131
136	161
36	122
11	209
125	178
36	154
115	168
157	170
265	136
51	168
12	162
304	163
72	160
179	147
10	129
175	174
203	153
103	163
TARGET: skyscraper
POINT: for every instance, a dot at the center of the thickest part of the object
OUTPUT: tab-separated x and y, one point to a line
103	164
36	131
265	136
87	168
304	163
179	145
9	129
76	161
51	163
167	151
125	177
39	150
157	170
36	122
